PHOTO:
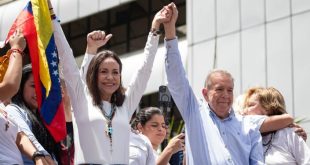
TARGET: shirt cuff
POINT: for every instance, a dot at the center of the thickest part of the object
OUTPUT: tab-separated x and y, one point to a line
152	35
172	45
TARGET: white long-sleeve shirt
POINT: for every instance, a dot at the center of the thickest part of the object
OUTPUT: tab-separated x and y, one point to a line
92	145
286	147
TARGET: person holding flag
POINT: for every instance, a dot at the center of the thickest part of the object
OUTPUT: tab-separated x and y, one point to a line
13	141
36	25
38	103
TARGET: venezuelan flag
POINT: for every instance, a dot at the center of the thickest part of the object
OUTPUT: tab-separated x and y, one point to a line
35	22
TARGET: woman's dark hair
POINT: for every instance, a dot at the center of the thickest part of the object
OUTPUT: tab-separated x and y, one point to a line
144	115
38	129
18	97
92	78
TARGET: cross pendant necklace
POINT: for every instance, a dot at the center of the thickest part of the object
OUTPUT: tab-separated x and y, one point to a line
109	129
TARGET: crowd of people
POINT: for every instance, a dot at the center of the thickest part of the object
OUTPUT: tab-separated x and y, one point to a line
99	111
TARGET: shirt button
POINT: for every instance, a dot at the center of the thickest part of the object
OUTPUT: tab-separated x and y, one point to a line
223	133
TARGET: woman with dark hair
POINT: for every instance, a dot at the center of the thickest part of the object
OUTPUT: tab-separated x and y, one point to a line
116	94
24	109
283	146
101	107
151	123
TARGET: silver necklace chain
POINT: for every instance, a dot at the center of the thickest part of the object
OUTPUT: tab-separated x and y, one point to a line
109	128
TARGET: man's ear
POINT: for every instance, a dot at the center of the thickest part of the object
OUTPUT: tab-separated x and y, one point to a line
205	93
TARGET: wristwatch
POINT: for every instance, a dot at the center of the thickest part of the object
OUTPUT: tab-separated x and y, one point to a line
37	154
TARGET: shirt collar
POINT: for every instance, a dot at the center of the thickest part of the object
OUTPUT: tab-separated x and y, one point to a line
212	113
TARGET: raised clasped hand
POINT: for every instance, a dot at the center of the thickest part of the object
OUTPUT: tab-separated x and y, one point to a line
95	40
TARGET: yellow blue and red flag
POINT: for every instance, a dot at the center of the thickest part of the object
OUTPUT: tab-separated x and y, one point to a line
36	25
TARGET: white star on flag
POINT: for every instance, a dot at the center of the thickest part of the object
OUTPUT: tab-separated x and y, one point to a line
53	63
55	72
54	54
